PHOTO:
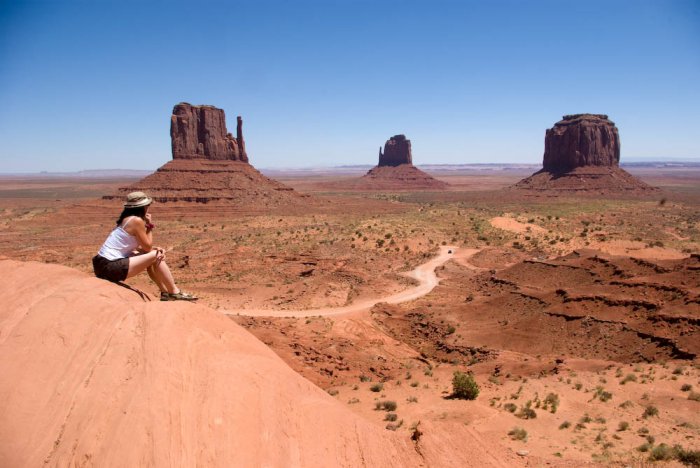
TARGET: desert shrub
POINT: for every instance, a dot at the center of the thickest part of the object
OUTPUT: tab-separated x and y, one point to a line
510	407
661	452
386	405
412	399
585	419
678	370
602	394
377	387
686	388
565	425
626	404
364	378
414	383
390	417
552	400
518	433
526	413
645	447
687	457
393	427
694	396
623	426
650	411
628	378
464	386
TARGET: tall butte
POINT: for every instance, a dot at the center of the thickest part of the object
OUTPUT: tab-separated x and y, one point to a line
209	165
582	154
395	170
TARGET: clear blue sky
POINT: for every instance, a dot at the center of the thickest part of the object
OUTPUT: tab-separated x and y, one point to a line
91	84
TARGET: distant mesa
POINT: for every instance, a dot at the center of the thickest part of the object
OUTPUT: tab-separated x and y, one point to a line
395	171
582	153
209	165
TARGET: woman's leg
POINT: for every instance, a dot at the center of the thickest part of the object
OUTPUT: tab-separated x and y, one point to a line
157	270
154	277
164	277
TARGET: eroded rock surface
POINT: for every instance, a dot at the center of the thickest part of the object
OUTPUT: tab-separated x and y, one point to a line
199	132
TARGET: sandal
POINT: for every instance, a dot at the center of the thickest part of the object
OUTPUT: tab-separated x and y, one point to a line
181	296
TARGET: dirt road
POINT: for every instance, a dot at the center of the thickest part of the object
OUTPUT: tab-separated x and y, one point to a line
424	274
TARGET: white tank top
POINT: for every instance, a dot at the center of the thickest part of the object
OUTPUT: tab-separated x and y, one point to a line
119	244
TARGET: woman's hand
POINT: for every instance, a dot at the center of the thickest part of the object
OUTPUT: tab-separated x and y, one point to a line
160	255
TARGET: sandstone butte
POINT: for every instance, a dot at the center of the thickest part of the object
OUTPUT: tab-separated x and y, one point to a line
209	165
92	375
582	154
395	171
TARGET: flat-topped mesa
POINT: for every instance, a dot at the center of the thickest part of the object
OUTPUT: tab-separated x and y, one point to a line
397	151
199	132
581	140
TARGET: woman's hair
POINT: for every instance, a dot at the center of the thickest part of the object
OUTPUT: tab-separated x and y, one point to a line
139	211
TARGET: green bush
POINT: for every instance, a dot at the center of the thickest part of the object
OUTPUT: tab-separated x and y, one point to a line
464	386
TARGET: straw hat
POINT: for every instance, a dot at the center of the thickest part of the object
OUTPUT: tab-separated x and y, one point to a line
137	199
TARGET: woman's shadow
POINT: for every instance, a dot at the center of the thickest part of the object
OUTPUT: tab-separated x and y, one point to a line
144	296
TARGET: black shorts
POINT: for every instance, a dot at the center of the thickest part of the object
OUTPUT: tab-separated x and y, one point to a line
111	270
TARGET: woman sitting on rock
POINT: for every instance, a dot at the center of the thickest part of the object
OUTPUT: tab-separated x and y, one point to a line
129	250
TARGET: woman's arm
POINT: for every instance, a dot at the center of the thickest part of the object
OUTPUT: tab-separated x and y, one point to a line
143	236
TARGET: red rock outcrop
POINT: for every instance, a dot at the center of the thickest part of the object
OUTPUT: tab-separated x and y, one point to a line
582	154
581	140
209	165
397	151
199	132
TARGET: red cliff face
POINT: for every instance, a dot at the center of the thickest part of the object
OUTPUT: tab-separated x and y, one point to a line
581	140
397	151
199	132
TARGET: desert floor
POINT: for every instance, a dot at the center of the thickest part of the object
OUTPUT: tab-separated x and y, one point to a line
578	315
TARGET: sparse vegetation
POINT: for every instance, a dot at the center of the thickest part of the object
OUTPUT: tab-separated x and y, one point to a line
385	405
378	387
628	378
464	386
518	433
650	411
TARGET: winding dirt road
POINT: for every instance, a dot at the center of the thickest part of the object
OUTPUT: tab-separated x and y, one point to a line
424	274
